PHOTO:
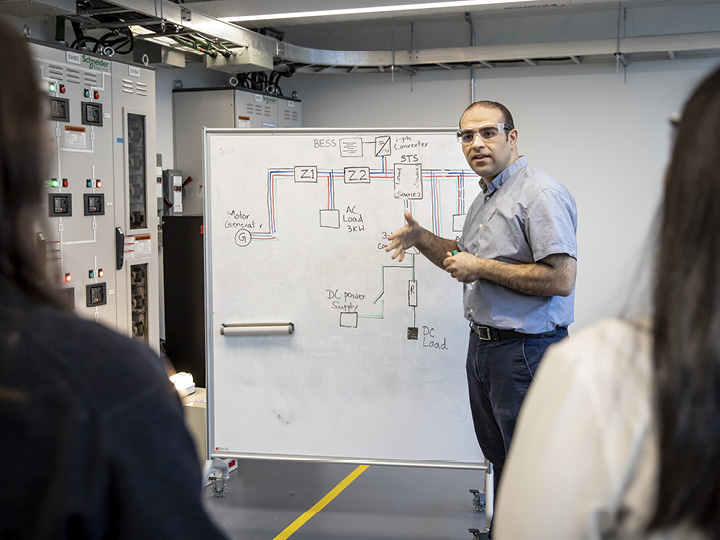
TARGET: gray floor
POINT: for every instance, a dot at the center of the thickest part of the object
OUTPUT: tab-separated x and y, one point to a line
265	497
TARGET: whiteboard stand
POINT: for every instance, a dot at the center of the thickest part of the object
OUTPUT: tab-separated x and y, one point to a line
371	370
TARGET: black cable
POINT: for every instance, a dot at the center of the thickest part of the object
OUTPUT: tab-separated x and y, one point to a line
77	30
127	41
290	71
120	41
81	41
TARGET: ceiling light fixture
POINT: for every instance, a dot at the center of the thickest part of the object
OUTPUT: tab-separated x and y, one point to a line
368	10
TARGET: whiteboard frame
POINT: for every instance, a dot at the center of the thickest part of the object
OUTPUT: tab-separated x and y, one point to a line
209	334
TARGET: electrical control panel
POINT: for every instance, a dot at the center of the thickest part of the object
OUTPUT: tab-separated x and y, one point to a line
101	120
220	108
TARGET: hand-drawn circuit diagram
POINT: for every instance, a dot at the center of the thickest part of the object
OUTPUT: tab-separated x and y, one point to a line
438	196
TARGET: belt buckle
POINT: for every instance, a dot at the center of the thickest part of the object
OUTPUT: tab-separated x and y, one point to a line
480	330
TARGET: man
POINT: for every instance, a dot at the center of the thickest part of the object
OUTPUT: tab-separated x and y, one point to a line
517	260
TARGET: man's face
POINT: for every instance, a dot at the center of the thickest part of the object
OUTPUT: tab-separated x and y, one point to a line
488	158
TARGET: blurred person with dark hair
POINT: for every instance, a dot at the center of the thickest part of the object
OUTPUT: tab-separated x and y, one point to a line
92	437
619	436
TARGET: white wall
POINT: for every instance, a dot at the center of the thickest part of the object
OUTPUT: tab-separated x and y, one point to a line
605	137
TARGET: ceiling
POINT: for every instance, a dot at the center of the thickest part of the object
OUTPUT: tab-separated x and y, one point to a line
530	32
283	14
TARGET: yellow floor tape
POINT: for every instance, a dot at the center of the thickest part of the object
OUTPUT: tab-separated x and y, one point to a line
322	503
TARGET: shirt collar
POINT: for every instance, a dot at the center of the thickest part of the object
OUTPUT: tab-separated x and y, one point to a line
500	179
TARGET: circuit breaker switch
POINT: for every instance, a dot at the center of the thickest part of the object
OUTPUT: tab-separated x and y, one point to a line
94	204
96	294
60	204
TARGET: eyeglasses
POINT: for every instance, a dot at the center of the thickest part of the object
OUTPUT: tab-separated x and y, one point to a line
487	132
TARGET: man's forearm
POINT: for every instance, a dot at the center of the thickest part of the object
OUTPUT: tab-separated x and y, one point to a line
435	248
537	279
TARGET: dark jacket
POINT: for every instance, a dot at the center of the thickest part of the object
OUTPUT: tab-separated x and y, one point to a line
92	438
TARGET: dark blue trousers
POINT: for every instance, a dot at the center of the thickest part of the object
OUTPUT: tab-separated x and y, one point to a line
499	375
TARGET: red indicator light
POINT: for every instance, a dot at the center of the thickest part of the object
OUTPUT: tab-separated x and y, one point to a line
62	88
98	183
68	278
97	95
101	273
65	182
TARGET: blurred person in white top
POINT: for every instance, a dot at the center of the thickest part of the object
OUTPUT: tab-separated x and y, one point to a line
619	436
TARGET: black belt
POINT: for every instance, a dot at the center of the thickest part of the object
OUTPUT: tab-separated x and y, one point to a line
488	333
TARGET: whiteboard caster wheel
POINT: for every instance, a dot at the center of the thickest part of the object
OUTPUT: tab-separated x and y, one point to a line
478	500
219	488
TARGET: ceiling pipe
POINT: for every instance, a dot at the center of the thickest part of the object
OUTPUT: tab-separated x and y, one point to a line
469	20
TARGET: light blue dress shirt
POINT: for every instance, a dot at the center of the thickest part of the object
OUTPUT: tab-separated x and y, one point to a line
523	216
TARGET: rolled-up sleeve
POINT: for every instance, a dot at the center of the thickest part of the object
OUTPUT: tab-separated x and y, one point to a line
551	224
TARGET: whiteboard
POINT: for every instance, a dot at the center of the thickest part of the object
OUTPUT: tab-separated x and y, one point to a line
296	225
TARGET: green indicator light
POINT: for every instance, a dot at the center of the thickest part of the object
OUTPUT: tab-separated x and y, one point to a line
52	87
53	183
